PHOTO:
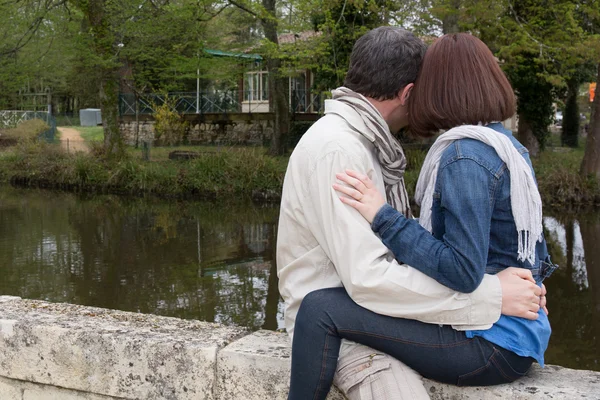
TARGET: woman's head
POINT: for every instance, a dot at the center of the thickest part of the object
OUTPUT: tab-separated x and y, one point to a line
460	82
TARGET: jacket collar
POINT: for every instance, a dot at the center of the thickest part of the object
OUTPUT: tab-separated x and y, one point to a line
350	115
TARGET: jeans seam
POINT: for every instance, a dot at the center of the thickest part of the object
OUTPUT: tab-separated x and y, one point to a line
478	370
406	341
511	367
498	367
323	363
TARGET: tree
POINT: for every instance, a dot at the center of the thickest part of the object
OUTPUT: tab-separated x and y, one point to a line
342	23
570	125
538	45
590	20
266	13
591	160
100	17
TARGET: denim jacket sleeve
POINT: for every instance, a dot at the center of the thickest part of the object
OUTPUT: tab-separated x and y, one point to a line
458	261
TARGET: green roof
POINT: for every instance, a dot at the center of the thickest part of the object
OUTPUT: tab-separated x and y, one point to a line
228	54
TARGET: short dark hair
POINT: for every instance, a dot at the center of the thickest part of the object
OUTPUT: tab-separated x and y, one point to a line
383	61
460	82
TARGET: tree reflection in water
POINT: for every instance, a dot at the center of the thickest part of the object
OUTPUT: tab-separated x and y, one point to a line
216	262
574	291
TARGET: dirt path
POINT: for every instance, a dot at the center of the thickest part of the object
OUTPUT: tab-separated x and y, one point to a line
71	140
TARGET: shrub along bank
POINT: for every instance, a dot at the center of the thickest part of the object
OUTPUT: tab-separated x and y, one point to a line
225	173
242	172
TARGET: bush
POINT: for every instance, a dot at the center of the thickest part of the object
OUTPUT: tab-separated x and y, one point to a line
26	131
169	126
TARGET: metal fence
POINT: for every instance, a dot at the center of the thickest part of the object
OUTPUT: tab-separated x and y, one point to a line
223	102
12	118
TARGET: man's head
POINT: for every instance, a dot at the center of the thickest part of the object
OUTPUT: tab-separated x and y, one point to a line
383	67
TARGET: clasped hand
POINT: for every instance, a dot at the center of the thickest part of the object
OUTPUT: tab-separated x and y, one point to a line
521	296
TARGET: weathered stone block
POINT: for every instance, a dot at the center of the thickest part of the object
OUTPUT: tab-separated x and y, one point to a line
257	367
10	390
110	353
552	382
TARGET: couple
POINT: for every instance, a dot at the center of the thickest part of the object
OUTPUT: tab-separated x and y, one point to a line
373	295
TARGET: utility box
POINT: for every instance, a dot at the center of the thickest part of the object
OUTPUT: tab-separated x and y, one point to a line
90	117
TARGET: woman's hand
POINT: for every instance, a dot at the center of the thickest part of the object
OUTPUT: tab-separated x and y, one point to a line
362	193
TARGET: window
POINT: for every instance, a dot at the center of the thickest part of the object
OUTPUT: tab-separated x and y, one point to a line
256	87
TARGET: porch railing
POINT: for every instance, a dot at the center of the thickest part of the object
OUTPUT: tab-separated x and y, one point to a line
226	101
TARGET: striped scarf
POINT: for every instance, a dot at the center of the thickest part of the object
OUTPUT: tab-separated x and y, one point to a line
389	151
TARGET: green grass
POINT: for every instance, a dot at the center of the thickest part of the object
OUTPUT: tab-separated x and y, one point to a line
244	172
240	172
90	133
26	130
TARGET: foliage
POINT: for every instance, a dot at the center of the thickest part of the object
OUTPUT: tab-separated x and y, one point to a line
91	133
534	97
169	126
342	23
215	174
26	131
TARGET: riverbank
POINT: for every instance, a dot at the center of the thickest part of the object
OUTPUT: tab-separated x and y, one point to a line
245	172
57	350
215	173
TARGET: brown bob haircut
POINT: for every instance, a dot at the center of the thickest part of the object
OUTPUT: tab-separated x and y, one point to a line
460	82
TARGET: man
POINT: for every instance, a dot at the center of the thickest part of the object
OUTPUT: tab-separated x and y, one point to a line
324	243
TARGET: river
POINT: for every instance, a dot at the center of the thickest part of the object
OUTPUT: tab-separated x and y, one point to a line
216	262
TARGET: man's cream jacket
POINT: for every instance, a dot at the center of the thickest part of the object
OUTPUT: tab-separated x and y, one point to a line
323	243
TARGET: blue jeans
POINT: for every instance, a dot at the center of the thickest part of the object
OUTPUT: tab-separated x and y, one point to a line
436	352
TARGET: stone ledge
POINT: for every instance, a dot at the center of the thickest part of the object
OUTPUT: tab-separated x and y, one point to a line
257	367
62	351
110	353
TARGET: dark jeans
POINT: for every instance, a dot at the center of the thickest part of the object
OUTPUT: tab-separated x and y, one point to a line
437	352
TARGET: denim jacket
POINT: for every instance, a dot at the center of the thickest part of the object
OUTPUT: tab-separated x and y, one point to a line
473	233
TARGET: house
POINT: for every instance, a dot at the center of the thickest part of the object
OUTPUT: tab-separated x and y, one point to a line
253	88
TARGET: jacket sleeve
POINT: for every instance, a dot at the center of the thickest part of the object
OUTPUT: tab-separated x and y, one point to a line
458	261
369	272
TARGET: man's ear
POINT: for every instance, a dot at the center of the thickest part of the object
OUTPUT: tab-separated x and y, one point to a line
404	94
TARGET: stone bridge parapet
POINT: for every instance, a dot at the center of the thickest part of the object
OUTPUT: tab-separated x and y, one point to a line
52	351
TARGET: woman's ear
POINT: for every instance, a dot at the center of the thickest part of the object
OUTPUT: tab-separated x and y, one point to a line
404	94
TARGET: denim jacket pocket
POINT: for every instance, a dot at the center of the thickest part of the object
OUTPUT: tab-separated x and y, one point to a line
355	372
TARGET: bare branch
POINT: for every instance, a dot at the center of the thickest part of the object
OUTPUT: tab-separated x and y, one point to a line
244	8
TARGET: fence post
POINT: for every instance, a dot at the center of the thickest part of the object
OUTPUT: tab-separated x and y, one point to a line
145	150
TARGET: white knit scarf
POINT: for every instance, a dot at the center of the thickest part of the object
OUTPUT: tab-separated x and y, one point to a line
524	195
389	151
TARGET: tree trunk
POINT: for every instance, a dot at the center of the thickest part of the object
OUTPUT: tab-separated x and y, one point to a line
450	20
278	85
590	234
526	136
104	47
570	124
591	160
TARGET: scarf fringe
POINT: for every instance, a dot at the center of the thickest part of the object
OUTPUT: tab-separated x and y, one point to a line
526	202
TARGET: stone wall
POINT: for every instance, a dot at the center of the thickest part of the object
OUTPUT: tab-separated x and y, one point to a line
67	352
226	132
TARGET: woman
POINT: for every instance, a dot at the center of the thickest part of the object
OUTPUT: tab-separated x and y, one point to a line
481	212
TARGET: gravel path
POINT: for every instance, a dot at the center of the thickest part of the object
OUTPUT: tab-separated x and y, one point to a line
71	140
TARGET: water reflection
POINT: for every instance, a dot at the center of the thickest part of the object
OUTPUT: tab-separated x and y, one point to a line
574	291
189	260
216	262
